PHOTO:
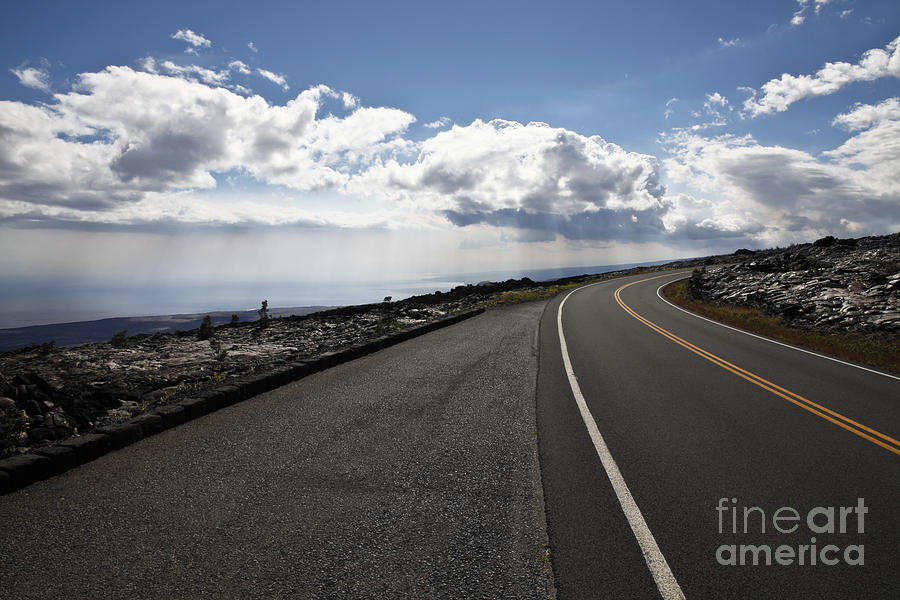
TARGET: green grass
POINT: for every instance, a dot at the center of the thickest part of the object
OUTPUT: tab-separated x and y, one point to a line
877	350
517	296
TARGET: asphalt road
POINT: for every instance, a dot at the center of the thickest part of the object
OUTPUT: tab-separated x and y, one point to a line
410	473
687	435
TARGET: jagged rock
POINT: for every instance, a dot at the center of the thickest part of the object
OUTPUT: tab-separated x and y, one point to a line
831	284
8	405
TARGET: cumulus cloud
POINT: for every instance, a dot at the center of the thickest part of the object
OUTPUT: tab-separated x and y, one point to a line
239	66
275	78
729	43
252	47
349	100
205	75
864	116
778	94
439	124
786	195
128	147
196	40
530	177
875	149
122	137
32	77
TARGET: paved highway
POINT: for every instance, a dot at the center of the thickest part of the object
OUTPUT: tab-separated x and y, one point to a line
687	434
410	473
413	473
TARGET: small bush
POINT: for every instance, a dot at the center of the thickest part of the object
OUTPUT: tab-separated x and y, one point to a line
264	315
234	320
206	329
217	349
120	339
12	426
695	284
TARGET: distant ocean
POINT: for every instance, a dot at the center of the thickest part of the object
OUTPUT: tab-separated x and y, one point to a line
31	301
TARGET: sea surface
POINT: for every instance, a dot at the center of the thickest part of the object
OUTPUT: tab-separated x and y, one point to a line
28	302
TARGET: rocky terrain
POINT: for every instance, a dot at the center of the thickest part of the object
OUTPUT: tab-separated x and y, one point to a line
830	284
49	393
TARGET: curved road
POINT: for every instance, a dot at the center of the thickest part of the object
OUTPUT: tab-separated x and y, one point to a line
413	473
703	426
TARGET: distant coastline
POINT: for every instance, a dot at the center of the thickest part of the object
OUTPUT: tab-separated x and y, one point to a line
72	312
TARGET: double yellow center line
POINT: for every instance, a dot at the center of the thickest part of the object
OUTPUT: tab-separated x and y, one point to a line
838	419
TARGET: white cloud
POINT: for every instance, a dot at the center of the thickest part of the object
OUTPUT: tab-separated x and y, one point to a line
779	94
124	137
252	46
864	116
799	17
32	77
275	78
531	177
784	195
239	66
205	75
715	101
669	110
349	100
439	124
196	40
875	149
729	43
846	13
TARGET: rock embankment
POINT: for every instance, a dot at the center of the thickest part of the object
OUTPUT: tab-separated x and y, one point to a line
49	393
830	284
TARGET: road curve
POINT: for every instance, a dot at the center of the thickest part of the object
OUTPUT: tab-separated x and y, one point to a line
688	434
410	473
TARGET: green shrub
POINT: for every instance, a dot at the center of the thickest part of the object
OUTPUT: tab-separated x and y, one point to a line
695	284
206	329
264	315
120	339
11	428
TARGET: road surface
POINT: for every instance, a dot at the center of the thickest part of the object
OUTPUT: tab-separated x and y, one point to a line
692	441
413	473
410	473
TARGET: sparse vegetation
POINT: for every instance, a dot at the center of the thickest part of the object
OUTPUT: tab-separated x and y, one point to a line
219	351
206	330
516	296
878	350
12	426
694	285
263	315
120	339
45	348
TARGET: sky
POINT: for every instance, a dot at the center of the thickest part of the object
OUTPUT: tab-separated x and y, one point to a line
160	143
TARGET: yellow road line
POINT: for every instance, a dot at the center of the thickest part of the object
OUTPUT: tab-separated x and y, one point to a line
838	419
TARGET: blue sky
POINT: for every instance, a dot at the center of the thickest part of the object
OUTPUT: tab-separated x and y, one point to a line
314	141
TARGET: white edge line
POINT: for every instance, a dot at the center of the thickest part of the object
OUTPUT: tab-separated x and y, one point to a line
761	337
659	568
